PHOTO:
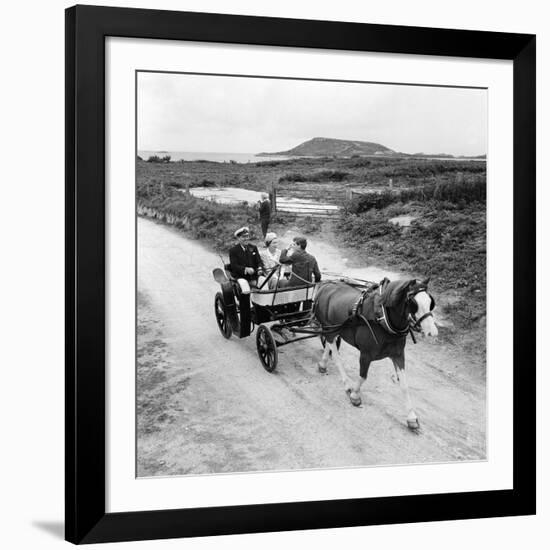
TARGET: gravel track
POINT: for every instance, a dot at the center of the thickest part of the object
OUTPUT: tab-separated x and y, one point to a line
205	404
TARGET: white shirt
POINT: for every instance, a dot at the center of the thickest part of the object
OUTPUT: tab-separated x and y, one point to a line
270	259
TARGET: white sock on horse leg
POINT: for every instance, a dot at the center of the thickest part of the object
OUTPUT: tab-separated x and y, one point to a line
359	384
339	363
405	387
325	356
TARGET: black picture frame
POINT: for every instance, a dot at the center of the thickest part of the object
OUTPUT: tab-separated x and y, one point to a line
85	515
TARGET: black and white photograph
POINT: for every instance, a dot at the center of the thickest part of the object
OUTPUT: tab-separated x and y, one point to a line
311	274
275	275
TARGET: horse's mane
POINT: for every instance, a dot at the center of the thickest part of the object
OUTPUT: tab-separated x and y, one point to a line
395	292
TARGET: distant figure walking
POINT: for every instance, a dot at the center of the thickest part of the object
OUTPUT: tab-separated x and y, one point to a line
304	265
265	213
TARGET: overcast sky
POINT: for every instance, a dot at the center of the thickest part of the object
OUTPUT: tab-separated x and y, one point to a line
198	113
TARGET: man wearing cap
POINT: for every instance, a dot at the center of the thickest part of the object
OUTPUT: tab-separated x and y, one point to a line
245	259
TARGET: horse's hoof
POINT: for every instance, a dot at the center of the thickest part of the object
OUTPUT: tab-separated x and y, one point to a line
321	368
355	401
413	425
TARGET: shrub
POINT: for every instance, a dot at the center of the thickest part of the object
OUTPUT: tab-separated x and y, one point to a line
449	245
369	201
452	195
206	183
156	158
360	162
320	176
201	218
310	225
396	209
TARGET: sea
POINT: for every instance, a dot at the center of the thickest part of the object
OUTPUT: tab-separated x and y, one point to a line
245	158
241	158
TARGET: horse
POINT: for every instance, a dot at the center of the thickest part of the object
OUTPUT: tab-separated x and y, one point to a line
376	321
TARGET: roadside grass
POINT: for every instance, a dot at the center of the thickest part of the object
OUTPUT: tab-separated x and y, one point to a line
200	218
445	242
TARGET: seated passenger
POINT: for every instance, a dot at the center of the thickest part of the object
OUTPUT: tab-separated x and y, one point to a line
270	254
304	266
245	260
270	257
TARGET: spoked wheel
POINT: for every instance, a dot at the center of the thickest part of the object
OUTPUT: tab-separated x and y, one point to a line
267	348
221	316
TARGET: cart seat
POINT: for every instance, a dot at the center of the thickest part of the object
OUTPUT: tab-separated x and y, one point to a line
281	296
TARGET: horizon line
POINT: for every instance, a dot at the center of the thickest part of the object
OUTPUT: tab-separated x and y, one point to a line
273	153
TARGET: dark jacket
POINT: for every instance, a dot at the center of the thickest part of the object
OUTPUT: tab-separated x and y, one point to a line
240	258
265	209
304	267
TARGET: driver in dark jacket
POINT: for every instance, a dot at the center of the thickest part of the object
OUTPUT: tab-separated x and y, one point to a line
244	258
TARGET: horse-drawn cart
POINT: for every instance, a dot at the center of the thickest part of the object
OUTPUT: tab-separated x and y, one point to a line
280	315
374	318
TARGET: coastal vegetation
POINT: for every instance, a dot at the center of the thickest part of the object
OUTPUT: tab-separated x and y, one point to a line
444	199
157	158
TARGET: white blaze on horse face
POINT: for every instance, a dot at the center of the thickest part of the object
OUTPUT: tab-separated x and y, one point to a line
428	324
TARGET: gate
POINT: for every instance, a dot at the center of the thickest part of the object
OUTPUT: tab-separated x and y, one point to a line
308	199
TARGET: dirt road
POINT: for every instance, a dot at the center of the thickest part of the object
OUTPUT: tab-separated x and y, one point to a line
205	404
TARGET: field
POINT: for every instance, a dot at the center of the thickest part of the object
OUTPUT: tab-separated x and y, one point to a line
354	173
443	199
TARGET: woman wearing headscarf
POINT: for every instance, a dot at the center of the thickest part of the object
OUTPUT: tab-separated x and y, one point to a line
270	256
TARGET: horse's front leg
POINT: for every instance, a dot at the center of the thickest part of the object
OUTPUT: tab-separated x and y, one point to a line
399	364
355	390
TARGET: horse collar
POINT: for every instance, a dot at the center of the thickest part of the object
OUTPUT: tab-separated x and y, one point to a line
385	321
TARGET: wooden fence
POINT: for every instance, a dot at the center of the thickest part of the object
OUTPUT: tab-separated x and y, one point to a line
307	199
321	200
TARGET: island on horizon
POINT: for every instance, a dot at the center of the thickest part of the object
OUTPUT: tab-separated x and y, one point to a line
332	147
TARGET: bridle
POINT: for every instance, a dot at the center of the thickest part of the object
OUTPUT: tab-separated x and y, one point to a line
414	323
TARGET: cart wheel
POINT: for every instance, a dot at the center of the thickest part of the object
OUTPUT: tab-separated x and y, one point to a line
267	348
221	316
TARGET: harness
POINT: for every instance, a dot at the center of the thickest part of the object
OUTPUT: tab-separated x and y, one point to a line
356	309
413	324
381	316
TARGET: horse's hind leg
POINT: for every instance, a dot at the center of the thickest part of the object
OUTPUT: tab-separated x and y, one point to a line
351	389
322	364
399	364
